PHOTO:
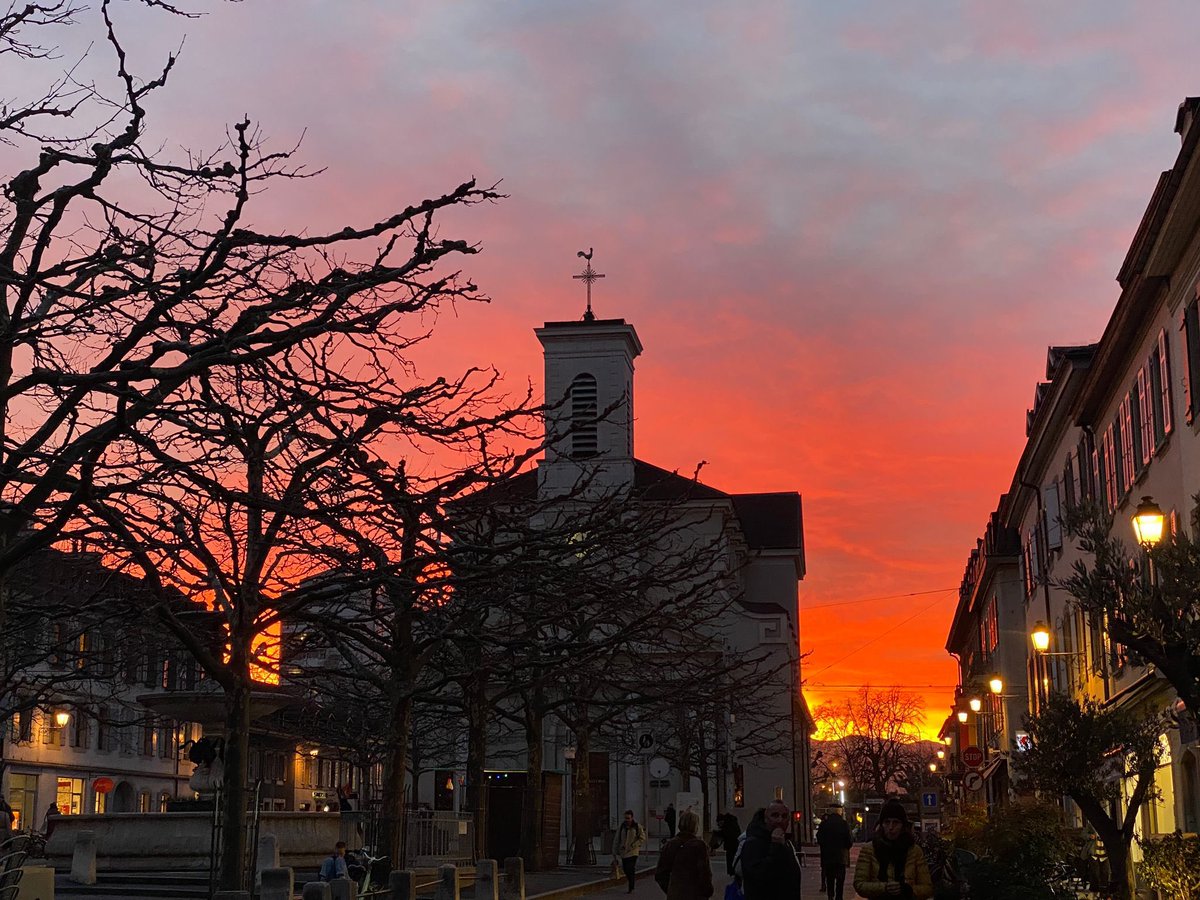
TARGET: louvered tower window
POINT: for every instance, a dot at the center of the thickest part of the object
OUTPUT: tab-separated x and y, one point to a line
583	417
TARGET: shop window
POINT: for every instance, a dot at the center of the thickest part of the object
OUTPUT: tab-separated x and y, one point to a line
22	797
69	796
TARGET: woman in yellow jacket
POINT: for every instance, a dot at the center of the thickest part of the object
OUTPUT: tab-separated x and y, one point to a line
893	865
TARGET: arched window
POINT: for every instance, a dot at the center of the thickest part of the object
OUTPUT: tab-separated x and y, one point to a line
583	416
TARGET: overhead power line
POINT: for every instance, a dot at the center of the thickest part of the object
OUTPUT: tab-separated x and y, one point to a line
881	634
876	599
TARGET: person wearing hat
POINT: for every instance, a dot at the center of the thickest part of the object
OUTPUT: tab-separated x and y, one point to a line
833	837
892	865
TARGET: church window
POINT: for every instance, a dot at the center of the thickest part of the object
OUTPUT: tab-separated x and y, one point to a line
584	441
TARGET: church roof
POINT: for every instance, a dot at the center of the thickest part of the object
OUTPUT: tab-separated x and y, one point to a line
770	521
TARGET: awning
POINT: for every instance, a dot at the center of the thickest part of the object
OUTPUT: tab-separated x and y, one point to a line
992	767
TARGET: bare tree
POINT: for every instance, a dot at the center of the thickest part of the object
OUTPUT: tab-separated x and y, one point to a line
871	734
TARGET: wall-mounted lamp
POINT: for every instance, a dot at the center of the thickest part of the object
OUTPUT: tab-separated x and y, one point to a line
975	703
962	716
996	684
315	751
61	718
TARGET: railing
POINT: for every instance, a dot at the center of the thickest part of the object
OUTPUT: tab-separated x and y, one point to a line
438	838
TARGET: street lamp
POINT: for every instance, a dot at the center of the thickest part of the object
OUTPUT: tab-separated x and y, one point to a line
933	767
996	685
962	716
975	703
1040	636
61	718
941	754
1148	523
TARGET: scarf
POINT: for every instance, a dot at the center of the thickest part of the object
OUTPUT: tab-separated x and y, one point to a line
893	854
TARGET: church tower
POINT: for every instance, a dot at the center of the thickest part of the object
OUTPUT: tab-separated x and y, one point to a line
589	385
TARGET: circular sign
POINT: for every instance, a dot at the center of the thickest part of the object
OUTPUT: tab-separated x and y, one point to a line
972	757
973	781
659	767
645	741
102	785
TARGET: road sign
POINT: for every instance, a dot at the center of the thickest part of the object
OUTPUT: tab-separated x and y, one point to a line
973	781
645	741
972	757
659	767
929	799
102	785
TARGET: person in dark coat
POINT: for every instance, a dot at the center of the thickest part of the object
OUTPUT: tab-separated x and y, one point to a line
669	818
833	837
769	865
727	835
683	869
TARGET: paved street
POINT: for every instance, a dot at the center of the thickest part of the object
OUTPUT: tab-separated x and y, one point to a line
647	889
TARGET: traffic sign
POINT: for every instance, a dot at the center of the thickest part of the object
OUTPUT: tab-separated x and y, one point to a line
645	741
973	781
972	757
929	799
102	785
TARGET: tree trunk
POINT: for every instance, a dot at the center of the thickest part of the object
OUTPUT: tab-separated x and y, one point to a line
233	813
477	794
531	808
395	762
1122	872
582	823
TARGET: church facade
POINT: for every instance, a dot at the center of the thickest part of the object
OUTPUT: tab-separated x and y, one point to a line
589	390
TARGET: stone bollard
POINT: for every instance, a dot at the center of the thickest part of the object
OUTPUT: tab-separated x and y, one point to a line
449	884
486	886
277	884
83	859
343	889
513	885
315	890
402	885
268	856
231	895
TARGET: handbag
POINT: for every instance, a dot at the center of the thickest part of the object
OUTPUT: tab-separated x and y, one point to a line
615	869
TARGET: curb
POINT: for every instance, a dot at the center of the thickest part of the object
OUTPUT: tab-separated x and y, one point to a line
587	887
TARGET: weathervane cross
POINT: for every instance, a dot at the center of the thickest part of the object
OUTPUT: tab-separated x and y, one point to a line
587	276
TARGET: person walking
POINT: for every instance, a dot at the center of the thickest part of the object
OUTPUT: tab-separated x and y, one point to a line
892	865
769	865
669	818
833	837
727	835
627	844
684	871
51	819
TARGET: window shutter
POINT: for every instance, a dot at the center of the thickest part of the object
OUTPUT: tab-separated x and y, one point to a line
1191	365
1164	379
1053	517
1145	430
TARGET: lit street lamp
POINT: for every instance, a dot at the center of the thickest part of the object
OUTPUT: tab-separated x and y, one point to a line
61	718
1148	523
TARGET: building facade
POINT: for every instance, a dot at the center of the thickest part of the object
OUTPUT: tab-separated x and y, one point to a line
1114	422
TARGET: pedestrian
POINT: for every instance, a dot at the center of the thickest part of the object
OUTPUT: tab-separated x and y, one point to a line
892	865
7	816
627	843
684	871
334	865
729	833
767	860
833	837
48	823
669	818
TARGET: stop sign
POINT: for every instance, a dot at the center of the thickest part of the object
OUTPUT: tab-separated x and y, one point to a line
972	757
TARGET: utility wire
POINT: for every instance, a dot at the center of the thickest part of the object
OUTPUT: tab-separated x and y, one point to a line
881	634
876	599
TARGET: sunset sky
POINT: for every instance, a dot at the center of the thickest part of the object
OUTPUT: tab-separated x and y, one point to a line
845	232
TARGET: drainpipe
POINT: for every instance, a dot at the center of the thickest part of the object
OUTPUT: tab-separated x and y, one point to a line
1044	561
